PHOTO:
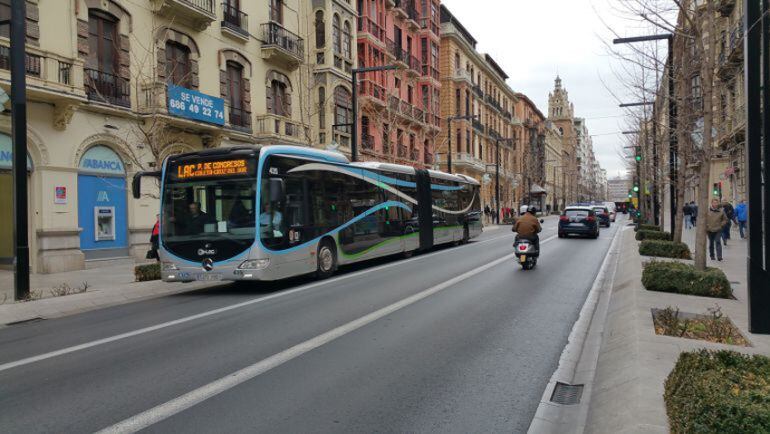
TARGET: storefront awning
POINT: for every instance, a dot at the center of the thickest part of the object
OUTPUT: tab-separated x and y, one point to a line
536	189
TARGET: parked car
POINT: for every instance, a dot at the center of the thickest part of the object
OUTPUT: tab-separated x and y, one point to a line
602	215
578	220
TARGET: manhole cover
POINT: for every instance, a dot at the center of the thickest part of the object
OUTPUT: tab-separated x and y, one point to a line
567	394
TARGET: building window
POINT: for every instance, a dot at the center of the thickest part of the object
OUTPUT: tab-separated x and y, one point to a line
320	30
5	14
336	34
425	97
279	97
235	93
459	141
457	102
343	109
102	42
409	95
178	68
276	11
322	107
468	141
347	46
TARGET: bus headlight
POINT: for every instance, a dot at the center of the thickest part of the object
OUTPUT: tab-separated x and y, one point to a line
168	266
254	264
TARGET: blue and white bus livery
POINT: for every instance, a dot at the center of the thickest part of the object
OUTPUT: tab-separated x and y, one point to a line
269	213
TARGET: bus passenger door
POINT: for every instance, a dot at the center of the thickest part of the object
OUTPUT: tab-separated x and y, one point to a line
425	209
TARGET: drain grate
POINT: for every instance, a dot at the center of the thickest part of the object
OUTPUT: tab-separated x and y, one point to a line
567	394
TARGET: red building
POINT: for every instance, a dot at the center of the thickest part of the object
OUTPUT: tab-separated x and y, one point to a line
399	110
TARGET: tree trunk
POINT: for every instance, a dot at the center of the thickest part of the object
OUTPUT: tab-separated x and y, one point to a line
703	209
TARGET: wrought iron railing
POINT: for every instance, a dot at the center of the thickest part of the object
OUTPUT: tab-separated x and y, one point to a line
32	62
273	34
106	87
204	5
367	25
234	18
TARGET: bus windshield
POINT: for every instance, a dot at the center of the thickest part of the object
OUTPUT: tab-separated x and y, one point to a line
209	217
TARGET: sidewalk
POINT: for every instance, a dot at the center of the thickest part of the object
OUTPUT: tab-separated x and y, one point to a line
634	362
106	286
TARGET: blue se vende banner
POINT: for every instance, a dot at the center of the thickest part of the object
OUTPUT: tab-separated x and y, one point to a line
191	104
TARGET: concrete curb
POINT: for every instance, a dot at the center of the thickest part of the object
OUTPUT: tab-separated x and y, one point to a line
577	364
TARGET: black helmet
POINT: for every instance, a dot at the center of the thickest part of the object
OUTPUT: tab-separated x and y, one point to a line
532	210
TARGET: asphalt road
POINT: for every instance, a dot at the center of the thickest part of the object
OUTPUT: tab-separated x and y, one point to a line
456	340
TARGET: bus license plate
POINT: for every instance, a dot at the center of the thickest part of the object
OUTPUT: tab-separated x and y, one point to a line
523	258
210	277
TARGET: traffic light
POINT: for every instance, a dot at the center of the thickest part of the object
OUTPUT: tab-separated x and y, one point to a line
638	154
718	189
636	189
630	195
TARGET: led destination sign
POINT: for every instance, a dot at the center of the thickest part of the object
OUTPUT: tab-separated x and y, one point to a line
212	168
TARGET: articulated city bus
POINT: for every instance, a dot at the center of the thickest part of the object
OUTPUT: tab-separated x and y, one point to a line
251	213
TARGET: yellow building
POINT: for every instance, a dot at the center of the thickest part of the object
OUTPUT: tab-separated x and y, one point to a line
114	86
473	84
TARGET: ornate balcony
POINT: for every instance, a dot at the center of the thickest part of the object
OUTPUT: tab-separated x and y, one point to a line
281	46
367	26
477	91
108	88
235	22
460	74
464	159
407	111
198	14
279	129
373	91
428	24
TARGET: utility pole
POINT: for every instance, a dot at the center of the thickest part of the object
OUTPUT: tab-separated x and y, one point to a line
19	133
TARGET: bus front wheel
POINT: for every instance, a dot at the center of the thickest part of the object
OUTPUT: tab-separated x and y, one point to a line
327	260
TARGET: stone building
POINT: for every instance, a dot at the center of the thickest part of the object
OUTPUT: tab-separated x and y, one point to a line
473	84
529	157
553	165
562	113
399	110
114	86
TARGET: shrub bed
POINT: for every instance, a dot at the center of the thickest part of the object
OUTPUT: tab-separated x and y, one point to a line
719	392
685	279
664	249
144	273
649	228
646	234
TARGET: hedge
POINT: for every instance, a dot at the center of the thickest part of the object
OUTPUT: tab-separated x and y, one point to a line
664	249
685	279
646	234
649	228
718	392
144	273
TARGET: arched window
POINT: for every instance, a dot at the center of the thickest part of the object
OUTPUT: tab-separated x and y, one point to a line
336	34
347	41
457	60
322	107
320	30
276	11
279	98
178	66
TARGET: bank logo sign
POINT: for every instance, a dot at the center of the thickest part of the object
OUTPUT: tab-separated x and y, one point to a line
191	104
103	160
6	153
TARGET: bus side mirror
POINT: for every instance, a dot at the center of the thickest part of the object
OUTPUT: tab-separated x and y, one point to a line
276	190
136	183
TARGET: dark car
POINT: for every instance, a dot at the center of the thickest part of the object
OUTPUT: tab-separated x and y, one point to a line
603	214
578	220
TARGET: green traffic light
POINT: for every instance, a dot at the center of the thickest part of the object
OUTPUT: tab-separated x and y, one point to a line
638	158
636	189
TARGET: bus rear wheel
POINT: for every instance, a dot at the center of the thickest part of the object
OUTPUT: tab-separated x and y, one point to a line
327	260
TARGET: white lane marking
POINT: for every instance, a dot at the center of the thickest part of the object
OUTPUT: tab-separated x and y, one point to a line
87	345
183	402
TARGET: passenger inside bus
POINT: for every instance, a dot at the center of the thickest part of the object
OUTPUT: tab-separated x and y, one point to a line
196	221
270	221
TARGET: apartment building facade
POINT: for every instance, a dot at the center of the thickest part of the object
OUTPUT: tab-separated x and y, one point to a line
115	86
474	87
399	110
530	152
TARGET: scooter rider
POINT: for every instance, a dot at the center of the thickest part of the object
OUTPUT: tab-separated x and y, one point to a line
528	226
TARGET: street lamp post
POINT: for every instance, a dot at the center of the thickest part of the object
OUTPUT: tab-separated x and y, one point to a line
19	133
354	82
449	136
757	77
655	200
672	116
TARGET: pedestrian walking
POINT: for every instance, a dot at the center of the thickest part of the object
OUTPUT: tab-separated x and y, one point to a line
687	216
729	211
715	222
694	213
742	216
155	240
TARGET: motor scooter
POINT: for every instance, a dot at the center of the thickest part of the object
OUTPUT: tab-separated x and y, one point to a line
526	252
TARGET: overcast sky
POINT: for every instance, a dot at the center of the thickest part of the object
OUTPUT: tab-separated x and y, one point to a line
533	40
